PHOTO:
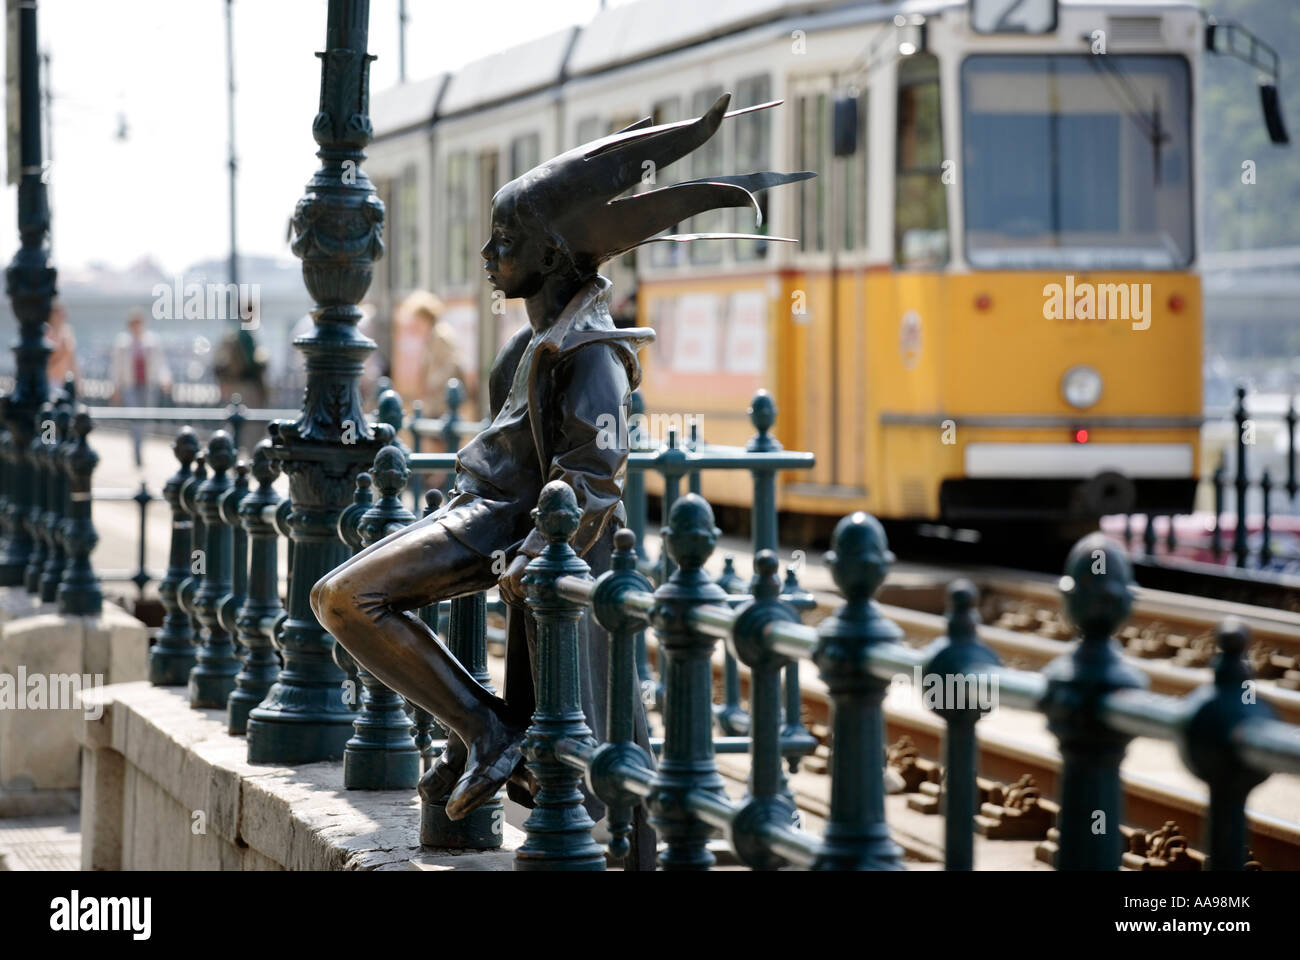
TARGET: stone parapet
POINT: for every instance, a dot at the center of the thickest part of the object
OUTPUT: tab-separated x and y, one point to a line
166	787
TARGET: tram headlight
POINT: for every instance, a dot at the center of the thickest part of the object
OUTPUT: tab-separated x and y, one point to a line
1081	386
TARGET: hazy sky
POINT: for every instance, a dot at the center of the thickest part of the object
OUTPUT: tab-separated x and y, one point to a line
160	64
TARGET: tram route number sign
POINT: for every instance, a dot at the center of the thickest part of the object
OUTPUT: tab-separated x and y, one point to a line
1013	16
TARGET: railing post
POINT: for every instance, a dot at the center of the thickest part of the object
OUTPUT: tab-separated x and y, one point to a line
1292	483
1266	534
261	609
363	498
856	835
425	726
732	720
687	762
141	577
1216	535
213	678
189	585
39	455
466	635
559	827
228	606
793	732
1240	546
381	754
634	498
1097	596
960	656
762	414
79	591
172	656
30	284
620	748
450	431
58	556
769	800
1210	748
337	229
417	442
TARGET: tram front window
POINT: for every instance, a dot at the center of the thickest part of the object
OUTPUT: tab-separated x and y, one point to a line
1077	162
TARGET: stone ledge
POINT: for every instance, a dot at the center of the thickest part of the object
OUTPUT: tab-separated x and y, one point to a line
178	762
62	658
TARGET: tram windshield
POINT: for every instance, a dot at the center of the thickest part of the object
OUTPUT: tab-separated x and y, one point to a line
1077	162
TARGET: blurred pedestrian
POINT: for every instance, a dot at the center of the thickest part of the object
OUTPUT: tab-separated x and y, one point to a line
63	358
240	368
140	372
425	353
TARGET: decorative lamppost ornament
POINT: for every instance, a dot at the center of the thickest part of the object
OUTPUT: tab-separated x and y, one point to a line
552	387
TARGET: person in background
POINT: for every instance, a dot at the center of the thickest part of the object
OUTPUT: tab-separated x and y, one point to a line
140	372
425	353
240	368
63	358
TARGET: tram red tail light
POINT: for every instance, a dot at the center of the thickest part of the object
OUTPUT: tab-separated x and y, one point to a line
1176	303
1081	435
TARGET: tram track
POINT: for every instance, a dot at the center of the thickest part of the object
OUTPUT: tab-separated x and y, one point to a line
1005	758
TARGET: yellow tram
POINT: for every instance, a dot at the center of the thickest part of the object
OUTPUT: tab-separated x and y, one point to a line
993	310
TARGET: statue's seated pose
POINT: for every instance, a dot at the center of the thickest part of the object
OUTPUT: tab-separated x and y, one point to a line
555	388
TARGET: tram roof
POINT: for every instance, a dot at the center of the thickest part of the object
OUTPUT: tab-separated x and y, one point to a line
510	73
405	107
621	35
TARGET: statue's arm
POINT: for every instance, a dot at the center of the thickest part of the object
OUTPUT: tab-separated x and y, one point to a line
589	452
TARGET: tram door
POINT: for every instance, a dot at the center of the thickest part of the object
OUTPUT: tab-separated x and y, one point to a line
827	331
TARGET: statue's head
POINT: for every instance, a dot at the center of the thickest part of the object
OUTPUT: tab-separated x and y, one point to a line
568	215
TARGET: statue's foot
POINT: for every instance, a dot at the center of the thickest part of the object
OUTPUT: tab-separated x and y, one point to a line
490	763
523	777
438	781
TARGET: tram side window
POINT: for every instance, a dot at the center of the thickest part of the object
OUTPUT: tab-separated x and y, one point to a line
920	200
753	145
812	127
525	153
853	181
408	220
707	161
458	219
666	254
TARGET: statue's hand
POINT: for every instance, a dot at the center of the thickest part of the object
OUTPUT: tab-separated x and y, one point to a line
511	583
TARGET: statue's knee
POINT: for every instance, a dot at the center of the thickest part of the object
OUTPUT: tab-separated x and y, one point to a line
321	596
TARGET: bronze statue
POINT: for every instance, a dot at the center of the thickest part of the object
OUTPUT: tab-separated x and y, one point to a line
554	386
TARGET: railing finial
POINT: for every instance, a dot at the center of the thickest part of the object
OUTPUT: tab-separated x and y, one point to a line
762	414
1097	586
859	557
690	535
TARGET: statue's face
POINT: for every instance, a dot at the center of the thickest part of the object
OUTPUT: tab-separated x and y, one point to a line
516	261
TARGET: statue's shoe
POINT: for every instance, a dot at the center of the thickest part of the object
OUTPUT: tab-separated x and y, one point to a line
523	777
438	781
488	767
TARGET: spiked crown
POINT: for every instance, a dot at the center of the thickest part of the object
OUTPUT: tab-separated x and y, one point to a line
576	197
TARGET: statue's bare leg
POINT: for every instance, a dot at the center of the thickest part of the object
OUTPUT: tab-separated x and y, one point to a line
368	604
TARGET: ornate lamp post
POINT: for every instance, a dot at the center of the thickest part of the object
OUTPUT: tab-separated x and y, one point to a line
338	227
30	283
